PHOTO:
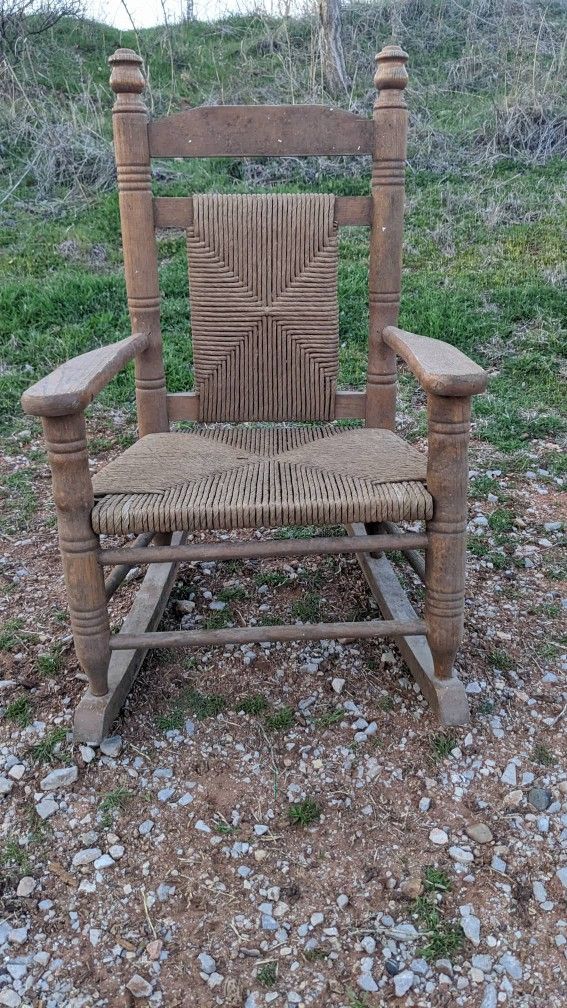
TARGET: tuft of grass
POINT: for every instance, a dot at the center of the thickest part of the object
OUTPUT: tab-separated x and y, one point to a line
444	939
307	607
386	703
273	579
434	878
543	755
218	620
232	593
191	701
280	720
11	854
501	520
442	744
113	804
50	663
499	659
304	813
224	828
255	704
13	636
330	717
267	974
481	486
47	749
20	711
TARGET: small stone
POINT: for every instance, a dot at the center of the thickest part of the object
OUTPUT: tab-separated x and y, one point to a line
138	987
17	771
471	928
146	827
411	887
105	861
392	967
215	979
539	892
509	775
461	855
86	856
60	778
165	794
539	798
317	918
367	983
342	901
402	982
185	799
562	876
87	752
6	785
202	826
207	963
338	685
111	746
511	966
368	944
479	832
46	808
260	829
513	799
490	999
482	962
116	852
498	865
424	804
439	837
18	936
153	949
26	886
9	998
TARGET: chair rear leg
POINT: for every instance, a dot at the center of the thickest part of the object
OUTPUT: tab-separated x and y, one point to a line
447	481
72	491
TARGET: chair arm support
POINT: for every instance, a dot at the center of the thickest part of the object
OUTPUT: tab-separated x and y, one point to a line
72	386
440	368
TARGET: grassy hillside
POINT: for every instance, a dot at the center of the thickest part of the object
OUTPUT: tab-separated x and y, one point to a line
485	223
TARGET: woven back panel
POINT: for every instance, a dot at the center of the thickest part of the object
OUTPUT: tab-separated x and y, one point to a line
264	310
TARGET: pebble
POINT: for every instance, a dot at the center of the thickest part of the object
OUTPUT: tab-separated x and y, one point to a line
461	855
471	928
46	807
498	865
138	987
105	861
317	918
424	804
369	945
539	798
338	685
511	966
165	793
6	785
367	983
402	982
202	826
509	775
87	752
392	967
60	778
26	886
116	852
490	999
479	832
18	936
342	901
540	894
215	979
439	837
86	856
207	963
17	771
562	876
146	827
9	998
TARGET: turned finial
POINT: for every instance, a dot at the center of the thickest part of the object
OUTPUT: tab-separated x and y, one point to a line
126	72
391	68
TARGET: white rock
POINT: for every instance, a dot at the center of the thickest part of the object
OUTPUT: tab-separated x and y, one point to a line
111	746
402	982
471	928
342	901
60	778
18	936
17	771
539	892
146	827
439	837
105	861
367	983
116	851
46	807
202	826
207	963
87	752
461	855
86	856
138	987
509	775
490	999
338	684
6	786
26	886
562	876
424	804
9	998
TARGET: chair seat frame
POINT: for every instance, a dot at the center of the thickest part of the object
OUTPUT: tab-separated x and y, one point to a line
428	645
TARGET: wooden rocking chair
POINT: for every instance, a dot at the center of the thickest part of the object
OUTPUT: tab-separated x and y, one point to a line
265	338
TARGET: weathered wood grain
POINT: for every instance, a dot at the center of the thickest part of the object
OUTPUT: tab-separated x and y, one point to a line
440	368
177	211
349	405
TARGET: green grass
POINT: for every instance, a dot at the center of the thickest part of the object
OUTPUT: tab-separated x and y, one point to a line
113	804
307	608
435	878
20	711
304	813
443	939
191	702
543	755
281	720
500	659
13	636
442	744
267	974
232	593
253	705
48	750
15	856
331	717
218	620
273	579
50	662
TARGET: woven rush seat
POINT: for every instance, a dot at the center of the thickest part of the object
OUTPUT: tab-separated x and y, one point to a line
251	477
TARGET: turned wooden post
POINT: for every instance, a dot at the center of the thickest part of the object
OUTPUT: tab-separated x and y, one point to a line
447	482
66	442
385	266
130	128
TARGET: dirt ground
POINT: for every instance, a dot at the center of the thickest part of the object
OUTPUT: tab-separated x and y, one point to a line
291	814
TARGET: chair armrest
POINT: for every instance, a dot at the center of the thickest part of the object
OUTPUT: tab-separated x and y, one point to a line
440	368
70	388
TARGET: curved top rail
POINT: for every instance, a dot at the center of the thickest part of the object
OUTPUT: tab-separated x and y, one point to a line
260	130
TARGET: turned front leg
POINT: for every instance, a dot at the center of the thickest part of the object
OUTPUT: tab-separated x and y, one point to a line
447	482
72	491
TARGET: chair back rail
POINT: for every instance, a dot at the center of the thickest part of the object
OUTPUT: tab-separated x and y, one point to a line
254	131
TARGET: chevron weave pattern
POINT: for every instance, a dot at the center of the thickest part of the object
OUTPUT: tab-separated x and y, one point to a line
264	311
223	478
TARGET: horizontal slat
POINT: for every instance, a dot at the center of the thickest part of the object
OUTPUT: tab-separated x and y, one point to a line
260	131
117	576
258	635
185	405
177	211
267	548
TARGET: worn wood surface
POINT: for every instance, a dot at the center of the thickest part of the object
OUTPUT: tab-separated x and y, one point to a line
439	367
446	697
255	635
260	131
386	234
133	166
447	480
94	715
72	386
66	444
319	546
177	211
120	572
349	405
